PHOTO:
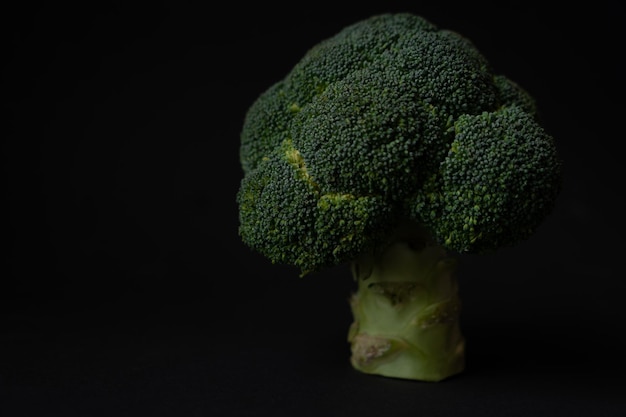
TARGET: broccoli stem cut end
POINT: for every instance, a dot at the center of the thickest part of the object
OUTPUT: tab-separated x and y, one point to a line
406	313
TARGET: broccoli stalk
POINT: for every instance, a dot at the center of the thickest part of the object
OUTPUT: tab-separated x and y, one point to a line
394	146
406	311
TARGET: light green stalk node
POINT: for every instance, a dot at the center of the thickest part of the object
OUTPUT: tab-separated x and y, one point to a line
406	312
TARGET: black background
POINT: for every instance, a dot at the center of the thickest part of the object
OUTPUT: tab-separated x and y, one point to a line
127	291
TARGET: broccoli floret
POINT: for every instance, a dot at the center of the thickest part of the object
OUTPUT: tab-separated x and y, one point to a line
394	146
496	185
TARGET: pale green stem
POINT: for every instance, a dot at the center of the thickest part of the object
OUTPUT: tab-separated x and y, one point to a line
406	312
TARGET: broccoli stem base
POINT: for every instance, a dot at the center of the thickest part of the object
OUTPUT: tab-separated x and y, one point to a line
406	313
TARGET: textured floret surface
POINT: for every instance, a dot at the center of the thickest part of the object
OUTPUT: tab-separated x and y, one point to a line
392	119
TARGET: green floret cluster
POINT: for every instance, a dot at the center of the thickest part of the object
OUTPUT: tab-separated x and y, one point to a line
392	119
490	190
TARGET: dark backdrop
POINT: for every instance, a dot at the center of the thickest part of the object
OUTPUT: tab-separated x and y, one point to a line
127	291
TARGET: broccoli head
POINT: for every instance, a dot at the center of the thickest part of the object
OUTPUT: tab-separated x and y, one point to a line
392	130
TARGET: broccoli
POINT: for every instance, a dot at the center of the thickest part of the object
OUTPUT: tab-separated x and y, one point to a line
393	147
